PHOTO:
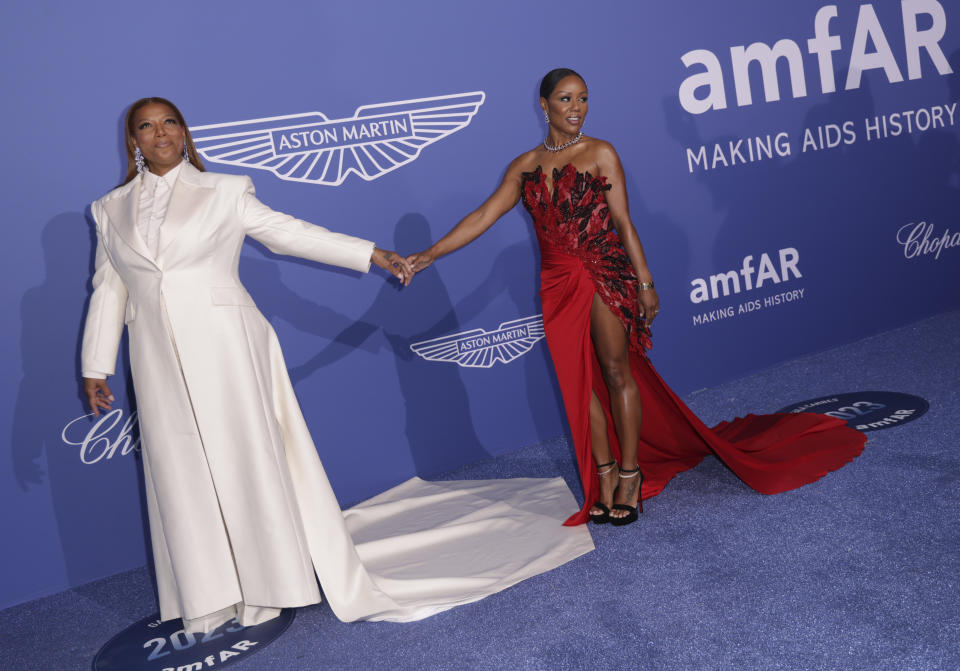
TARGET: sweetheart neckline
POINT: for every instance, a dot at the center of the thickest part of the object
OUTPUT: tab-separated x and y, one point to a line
560	170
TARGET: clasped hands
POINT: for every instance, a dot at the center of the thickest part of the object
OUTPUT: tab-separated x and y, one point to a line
402	268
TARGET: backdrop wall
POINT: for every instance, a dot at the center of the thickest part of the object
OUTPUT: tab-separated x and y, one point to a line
792	169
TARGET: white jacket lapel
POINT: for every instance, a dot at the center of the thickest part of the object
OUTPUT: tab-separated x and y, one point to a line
186	202
122	211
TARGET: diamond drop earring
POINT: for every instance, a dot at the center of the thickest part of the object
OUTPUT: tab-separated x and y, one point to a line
546	117
139	160
186	154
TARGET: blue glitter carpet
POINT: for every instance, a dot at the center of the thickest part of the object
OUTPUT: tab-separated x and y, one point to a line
857	571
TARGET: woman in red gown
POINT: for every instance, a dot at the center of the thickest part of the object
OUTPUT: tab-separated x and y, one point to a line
598	301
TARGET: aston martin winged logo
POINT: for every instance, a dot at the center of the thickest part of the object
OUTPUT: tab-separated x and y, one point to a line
312	148
482	349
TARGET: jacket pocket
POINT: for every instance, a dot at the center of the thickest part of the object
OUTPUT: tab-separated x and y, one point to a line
231	296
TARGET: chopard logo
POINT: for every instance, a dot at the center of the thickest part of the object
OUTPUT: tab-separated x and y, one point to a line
105	438
312	148
482	349
920	239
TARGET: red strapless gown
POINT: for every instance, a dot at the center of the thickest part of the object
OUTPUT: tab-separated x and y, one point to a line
581	255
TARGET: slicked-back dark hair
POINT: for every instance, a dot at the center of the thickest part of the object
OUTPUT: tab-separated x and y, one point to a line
552	78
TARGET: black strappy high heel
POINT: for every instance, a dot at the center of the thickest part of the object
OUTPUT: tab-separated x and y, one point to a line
604	516
633	511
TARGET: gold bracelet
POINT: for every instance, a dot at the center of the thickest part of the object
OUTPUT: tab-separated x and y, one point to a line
646	285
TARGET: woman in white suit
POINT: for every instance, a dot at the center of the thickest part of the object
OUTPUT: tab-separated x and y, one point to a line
241	514
207	370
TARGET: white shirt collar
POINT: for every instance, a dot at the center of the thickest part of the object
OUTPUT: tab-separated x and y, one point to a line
170	177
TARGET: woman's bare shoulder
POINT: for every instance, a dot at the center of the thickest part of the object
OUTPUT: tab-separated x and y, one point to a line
528	161
602	149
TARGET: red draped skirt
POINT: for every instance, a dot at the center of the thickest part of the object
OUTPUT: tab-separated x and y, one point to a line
770	453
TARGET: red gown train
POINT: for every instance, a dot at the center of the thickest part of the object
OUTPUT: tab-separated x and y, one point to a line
581	256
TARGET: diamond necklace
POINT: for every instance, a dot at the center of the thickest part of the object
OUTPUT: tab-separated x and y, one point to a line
561	147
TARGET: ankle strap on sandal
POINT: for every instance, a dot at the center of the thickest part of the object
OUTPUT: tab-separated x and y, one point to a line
632	473
608	466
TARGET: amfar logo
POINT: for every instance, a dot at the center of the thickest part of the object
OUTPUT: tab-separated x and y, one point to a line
153	645
104	438
866	410
311	148
870	51
705	289
753	277
482	349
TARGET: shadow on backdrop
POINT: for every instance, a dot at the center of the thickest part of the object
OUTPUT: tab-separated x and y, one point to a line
263	277
84	497
439	426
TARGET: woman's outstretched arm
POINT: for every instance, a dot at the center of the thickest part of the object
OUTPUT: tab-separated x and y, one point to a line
478	221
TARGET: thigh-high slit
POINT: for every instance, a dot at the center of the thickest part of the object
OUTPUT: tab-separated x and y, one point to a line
771	453
581	257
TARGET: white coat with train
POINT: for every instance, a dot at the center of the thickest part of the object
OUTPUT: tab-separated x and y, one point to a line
241	512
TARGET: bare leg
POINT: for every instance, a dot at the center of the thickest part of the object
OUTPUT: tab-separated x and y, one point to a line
610	342
602	455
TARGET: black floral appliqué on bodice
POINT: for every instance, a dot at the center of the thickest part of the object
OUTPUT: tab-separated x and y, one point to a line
575	220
